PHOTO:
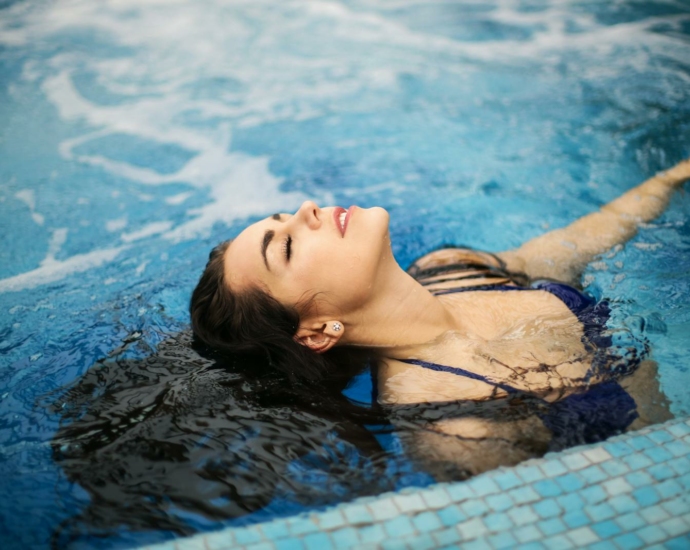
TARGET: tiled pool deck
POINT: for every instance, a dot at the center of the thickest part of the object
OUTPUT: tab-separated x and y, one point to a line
632	491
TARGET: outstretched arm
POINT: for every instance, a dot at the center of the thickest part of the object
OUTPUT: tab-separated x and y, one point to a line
563	253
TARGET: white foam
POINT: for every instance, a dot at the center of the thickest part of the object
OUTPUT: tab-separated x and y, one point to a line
28	197
116	225
155	228
57	270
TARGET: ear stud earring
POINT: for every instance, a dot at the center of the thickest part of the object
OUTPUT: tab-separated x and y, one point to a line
337	326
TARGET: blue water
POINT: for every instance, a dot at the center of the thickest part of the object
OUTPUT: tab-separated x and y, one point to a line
135	135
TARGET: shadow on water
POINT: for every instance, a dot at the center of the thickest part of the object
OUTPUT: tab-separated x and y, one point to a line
176	439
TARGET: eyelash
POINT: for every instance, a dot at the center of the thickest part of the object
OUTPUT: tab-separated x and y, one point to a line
287	247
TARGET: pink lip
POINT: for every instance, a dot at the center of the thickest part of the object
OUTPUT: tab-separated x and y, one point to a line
336	216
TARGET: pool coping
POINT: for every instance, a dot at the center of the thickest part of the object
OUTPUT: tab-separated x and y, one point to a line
631	491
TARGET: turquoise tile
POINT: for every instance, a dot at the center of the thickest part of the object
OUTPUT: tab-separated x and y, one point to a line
628	541
399	527
570	502
575	461
583	537
448	536
426	521
646	496
498	522
652	534
527	533
551	527
472	529
576	519
436	498
268	546
597	454
523	515
553	468
190	543
372	534
616	486
288	544
639	478
654	514
484	485
357	514
318	541
274	529
640	443
660	437
684	481
615	468
593	474
601	545
451	515
534	545
679	430
346	538
677	506
570	482
660	472
507	480
502	540
674	527
477	544
423	542
680	465
547	488
331	519
474	508
638	461
410	502
600	512
630	522
618	449
394	544
593	495
558	542
680	543
523	495
547	508
301	525
623	504
529	474
247	535
499	503
669	488
459	492
678	448
606	529
658	454
383	510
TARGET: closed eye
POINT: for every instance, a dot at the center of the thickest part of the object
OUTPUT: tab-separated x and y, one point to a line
287	247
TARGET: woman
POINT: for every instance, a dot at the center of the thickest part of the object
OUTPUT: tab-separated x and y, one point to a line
460	325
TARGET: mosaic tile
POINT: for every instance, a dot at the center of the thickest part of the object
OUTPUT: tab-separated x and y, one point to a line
523	495
639	478
534	545
623	504
548	488
606	529
479	544
329	520
553	468
447	536
409	503
346	537
499	503
660	437
507	480
426	521
474	508
498	522
593	474
628	541
436	498
529	474
570	502
460	491
383	510
677	506
372	534
679	430
472	529
318	541
484	486
575	519
618	449
451	515
660	472
273	529
646	496
399	527
502	540
616	486
569	482
615	468
651	534
358	515
527	533
680	543
247	536
641	442
271	546
674	527
191	543
637	461
658	454
547	508
575	461
629	522
583	536
522	515
601	545
422	542
600	512
551	527
559	542
655	514
593	495
220	541
596	455
289	544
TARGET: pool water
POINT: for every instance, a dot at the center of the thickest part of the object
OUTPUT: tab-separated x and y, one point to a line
135	136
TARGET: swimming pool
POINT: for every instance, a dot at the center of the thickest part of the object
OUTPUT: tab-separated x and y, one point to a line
134	137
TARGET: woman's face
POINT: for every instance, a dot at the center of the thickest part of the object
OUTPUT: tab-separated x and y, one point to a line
329	254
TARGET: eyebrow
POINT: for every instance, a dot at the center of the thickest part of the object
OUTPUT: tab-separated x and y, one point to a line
268	237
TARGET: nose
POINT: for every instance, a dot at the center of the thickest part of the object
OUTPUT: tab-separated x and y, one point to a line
310	214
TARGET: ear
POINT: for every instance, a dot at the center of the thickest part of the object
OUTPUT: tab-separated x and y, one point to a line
320	337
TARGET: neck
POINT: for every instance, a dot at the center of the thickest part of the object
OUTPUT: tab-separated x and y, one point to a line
400	313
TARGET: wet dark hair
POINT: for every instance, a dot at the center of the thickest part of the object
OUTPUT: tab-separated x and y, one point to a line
253	323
